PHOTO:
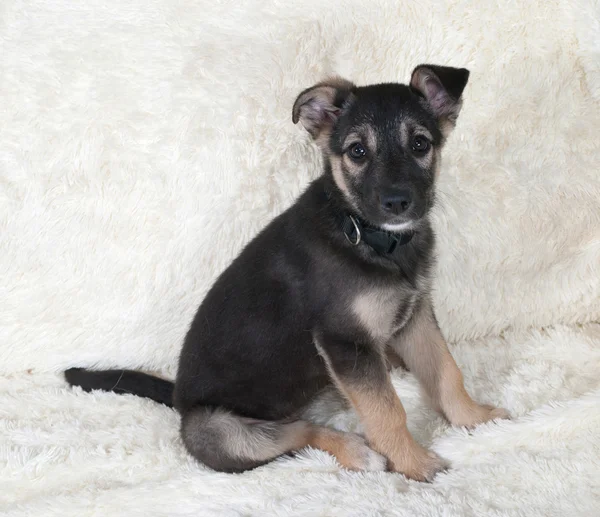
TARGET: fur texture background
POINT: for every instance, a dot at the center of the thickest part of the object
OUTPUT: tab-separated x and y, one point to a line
142	143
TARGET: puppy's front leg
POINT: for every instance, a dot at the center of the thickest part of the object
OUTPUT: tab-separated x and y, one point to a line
360	374
425	352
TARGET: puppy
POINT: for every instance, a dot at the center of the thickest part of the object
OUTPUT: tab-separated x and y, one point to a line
322	295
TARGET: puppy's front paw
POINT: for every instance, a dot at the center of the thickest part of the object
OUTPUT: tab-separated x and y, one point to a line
420	464
480	415
431	467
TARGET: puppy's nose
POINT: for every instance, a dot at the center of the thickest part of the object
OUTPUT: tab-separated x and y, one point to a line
396	202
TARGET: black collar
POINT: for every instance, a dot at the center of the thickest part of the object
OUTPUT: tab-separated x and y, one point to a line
358	231
383	242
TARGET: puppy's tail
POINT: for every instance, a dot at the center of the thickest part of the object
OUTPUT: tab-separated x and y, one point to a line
123	381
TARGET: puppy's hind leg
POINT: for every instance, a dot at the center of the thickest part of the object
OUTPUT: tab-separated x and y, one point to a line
227	442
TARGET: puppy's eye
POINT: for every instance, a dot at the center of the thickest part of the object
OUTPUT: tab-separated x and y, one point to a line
420	144
357	152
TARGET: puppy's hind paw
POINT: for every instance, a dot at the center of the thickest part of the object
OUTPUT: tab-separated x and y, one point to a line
361	457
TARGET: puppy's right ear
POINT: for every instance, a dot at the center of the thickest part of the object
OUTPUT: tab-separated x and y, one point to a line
318	107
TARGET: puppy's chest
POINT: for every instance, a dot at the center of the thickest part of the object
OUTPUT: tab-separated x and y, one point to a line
383	311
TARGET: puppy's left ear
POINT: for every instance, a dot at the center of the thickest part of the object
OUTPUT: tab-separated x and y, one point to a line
442	88
320	106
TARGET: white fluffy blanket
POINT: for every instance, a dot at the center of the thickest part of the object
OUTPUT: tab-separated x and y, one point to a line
143	142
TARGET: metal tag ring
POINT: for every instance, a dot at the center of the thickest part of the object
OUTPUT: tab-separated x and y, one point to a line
358	235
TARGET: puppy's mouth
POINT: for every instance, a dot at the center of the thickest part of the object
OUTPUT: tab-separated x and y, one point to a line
401	225
407	221
398	224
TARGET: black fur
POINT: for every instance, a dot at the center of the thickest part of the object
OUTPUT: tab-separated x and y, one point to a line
122	381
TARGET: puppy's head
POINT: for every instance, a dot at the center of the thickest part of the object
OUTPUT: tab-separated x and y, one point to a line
382	142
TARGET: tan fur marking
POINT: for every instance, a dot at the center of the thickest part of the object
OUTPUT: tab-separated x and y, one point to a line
367	137
363	134
446	127
427	159
376	311
425	352
350	167
339	178
371	137
406	130
422	130
437	165
322	139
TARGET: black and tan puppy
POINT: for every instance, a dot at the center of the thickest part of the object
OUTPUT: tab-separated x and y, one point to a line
325	293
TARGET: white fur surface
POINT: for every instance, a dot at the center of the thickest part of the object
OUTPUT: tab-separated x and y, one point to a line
143	143
68	453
